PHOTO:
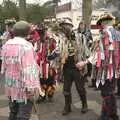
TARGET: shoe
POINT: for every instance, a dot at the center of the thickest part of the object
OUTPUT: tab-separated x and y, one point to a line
84	104
91	86
66	110
64	113
114	117
96	89
50	99
84	108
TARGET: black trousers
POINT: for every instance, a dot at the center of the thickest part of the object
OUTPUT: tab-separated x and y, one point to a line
89	67
20	111
0	64
118	87
109	107
71	75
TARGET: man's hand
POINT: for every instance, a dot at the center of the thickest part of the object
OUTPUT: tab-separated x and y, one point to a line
80	65
42	93
35	92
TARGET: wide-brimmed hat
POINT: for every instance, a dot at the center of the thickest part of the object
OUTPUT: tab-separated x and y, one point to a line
118	25
117	22
105	17
66	21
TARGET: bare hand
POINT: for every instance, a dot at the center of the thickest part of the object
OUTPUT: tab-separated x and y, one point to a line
80	65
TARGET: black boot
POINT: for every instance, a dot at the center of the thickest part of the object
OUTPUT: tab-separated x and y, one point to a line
67	108
114	117
118	88
84	108
50	98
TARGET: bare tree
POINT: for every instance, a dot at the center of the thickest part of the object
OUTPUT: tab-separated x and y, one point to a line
87	11
22	9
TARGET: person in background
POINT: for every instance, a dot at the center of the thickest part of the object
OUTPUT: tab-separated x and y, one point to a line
8	33
21	73
45	59
84	31
95	47
34	36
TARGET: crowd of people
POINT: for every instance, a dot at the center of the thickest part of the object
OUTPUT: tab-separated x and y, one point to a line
35	58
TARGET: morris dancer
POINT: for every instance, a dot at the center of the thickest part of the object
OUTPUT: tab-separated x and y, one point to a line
107	60
21	72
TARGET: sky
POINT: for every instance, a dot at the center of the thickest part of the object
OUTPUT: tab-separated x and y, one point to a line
75	4
38	1
43	1
30	1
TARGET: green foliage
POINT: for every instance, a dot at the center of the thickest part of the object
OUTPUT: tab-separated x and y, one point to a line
34	12
9	10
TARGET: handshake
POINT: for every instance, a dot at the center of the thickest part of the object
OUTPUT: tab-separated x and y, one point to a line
34	92
80	65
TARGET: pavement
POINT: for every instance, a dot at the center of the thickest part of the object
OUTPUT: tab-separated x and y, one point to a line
52	111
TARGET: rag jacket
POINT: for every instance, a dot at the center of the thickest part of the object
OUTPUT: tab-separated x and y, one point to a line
20	69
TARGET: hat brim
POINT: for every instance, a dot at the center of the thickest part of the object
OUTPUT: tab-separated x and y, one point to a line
105	18
66	24
118	26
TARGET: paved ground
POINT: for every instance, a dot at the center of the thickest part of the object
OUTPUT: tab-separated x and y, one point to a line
52	111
